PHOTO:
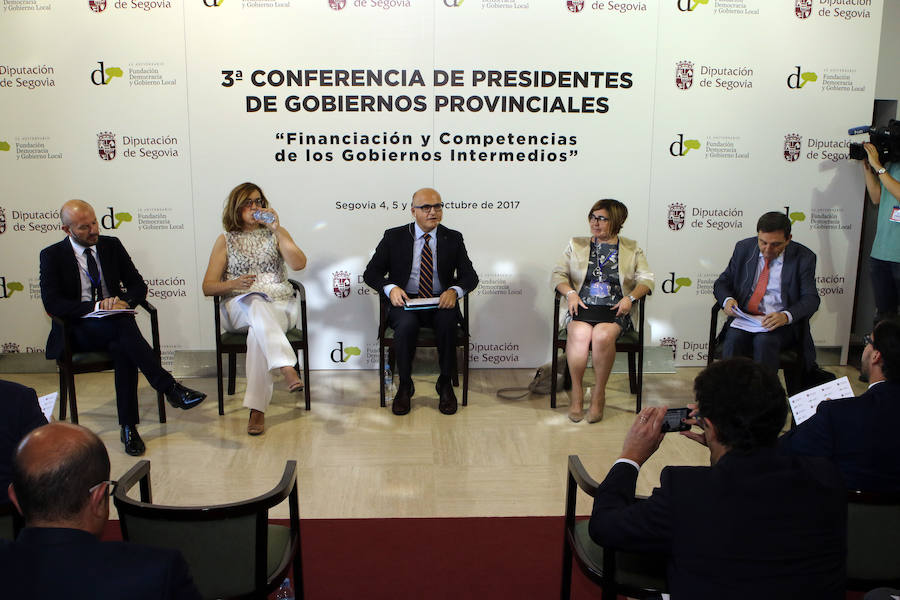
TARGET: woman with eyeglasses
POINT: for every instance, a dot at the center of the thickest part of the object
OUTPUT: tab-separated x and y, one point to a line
247	268
601	277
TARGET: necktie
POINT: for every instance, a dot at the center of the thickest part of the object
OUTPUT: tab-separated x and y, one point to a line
94	273
759	291
426	270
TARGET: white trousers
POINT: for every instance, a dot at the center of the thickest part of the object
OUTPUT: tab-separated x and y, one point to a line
267	347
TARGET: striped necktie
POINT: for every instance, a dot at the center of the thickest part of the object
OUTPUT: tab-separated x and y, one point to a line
426	270
94	275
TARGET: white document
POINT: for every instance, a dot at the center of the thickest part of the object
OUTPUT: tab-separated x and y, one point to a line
421	303
745	322
47	403
99	314
804	404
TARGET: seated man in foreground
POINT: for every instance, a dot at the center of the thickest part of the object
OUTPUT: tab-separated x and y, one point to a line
753	524
86	272
19	414
61	486
423	259
771	277
860	434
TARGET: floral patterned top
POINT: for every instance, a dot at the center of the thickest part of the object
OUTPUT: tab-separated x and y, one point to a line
256	252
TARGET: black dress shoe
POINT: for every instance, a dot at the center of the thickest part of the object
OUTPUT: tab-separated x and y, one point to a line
134	445
182	397
446	397
400	405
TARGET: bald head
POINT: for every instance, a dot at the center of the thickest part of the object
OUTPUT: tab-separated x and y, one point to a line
54	468
430	216
80	222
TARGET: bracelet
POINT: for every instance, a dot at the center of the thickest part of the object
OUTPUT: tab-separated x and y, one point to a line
569	292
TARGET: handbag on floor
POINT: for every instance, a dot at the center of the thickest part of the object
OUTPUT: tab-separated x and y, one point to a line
540	383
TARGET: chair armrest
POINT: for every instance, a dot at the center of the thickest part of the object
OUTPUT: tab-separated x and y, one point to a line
465	314
154	324
138	474
298	287
587	483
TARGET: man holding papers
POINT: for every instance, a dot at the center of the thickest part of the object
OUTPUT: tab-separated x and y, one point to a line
87	272
421	260
773	280
860	434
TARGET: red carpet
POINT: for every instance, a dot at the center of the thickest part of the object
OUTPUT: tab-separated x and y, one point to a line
434	559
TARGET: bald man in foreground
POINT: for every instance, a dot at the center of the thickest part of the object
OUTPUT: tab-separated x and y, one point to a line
423	259
86	272
61	486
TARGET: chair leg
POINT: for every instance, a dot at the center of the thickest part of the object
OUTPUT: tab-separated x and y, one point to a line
381	373
554	362
63	395
632	375
232	372
219	382
465	375
306	390
73	404
640	379
455	378
162	407
566	588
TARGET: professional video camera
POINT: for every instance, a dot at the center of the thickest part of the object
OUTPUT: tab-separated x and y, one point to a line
885	139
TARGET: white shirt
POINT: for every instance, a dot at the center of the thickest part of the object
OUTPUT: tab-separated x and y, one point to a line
81	259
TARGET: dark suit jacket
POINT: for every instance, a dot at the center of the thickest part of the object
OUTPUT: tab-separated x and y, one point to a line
753	526
49	563
858	434
392	261
798	285
61	283
19	414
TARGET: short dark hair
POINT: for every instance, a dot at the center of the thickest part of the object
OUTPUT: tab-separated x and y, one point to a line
774	221
62	491
744	400
618	212
886	339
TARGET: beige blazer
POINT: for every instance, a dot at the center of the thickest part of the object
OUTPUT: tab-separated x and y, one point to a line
572	267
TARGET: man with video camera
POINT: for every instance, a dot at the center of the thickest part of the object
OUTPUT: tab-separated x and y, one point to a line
882	172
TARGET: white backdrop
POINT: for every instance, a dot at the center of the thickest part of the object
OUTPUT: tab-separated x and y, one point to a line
688	108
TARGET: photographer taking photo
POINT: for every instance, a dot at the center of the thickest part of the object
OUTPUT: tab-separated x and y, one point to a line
884	262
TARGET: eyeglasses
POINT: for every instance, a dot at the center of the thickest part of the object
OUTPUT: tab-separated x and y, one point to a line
112	486
867	340
259	203
427	207
598	219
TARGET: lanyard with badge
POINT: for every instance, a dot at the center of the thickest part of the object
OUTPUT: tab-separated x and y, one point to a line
600	288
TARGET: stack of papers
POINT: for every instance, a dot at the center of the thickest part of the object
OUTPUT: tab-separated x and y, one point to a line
804	404
421	303
99	314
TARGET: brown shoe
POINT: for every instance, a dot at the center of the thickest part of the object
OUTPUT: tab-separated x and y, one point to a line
257	423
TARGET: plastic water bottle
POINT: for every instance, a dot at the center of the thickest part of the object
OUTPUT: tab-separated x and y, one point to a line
389	388
284	591
265	217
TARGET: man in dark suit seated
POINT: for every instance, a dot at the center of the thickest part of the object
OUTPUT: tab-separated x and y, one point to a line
772	277
61	486
19	414
86	272
403	267
860	434
752	525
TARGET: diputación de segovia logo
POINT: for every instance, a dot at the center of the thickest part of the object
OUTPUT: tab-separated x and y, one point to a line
337	4
97	6
684	74
802	8
793	143
676	216
106	145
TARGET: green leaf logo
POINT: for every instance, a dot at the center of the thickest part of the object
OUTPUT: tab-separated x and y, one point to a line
682	282
4	146
797	216
351	351
698	2
808	76
690	145
122	217
12	287
112	72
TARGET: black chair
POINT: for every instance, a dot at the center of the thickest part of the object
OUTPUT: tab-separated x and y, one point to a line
10	521
791	359
233	344
616	572
232	549
72	363
426	339
632	343
873	528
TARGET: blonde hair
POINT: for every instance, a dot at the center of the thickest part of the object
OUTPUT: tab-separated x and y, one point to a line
234	204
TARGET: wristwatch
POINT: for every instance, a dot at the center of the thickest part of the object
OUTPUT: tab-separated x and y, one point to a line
881	171
632	298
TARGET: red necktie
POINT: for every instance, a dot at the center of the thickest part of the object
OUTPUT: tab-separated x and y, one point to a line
426	270
759	291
